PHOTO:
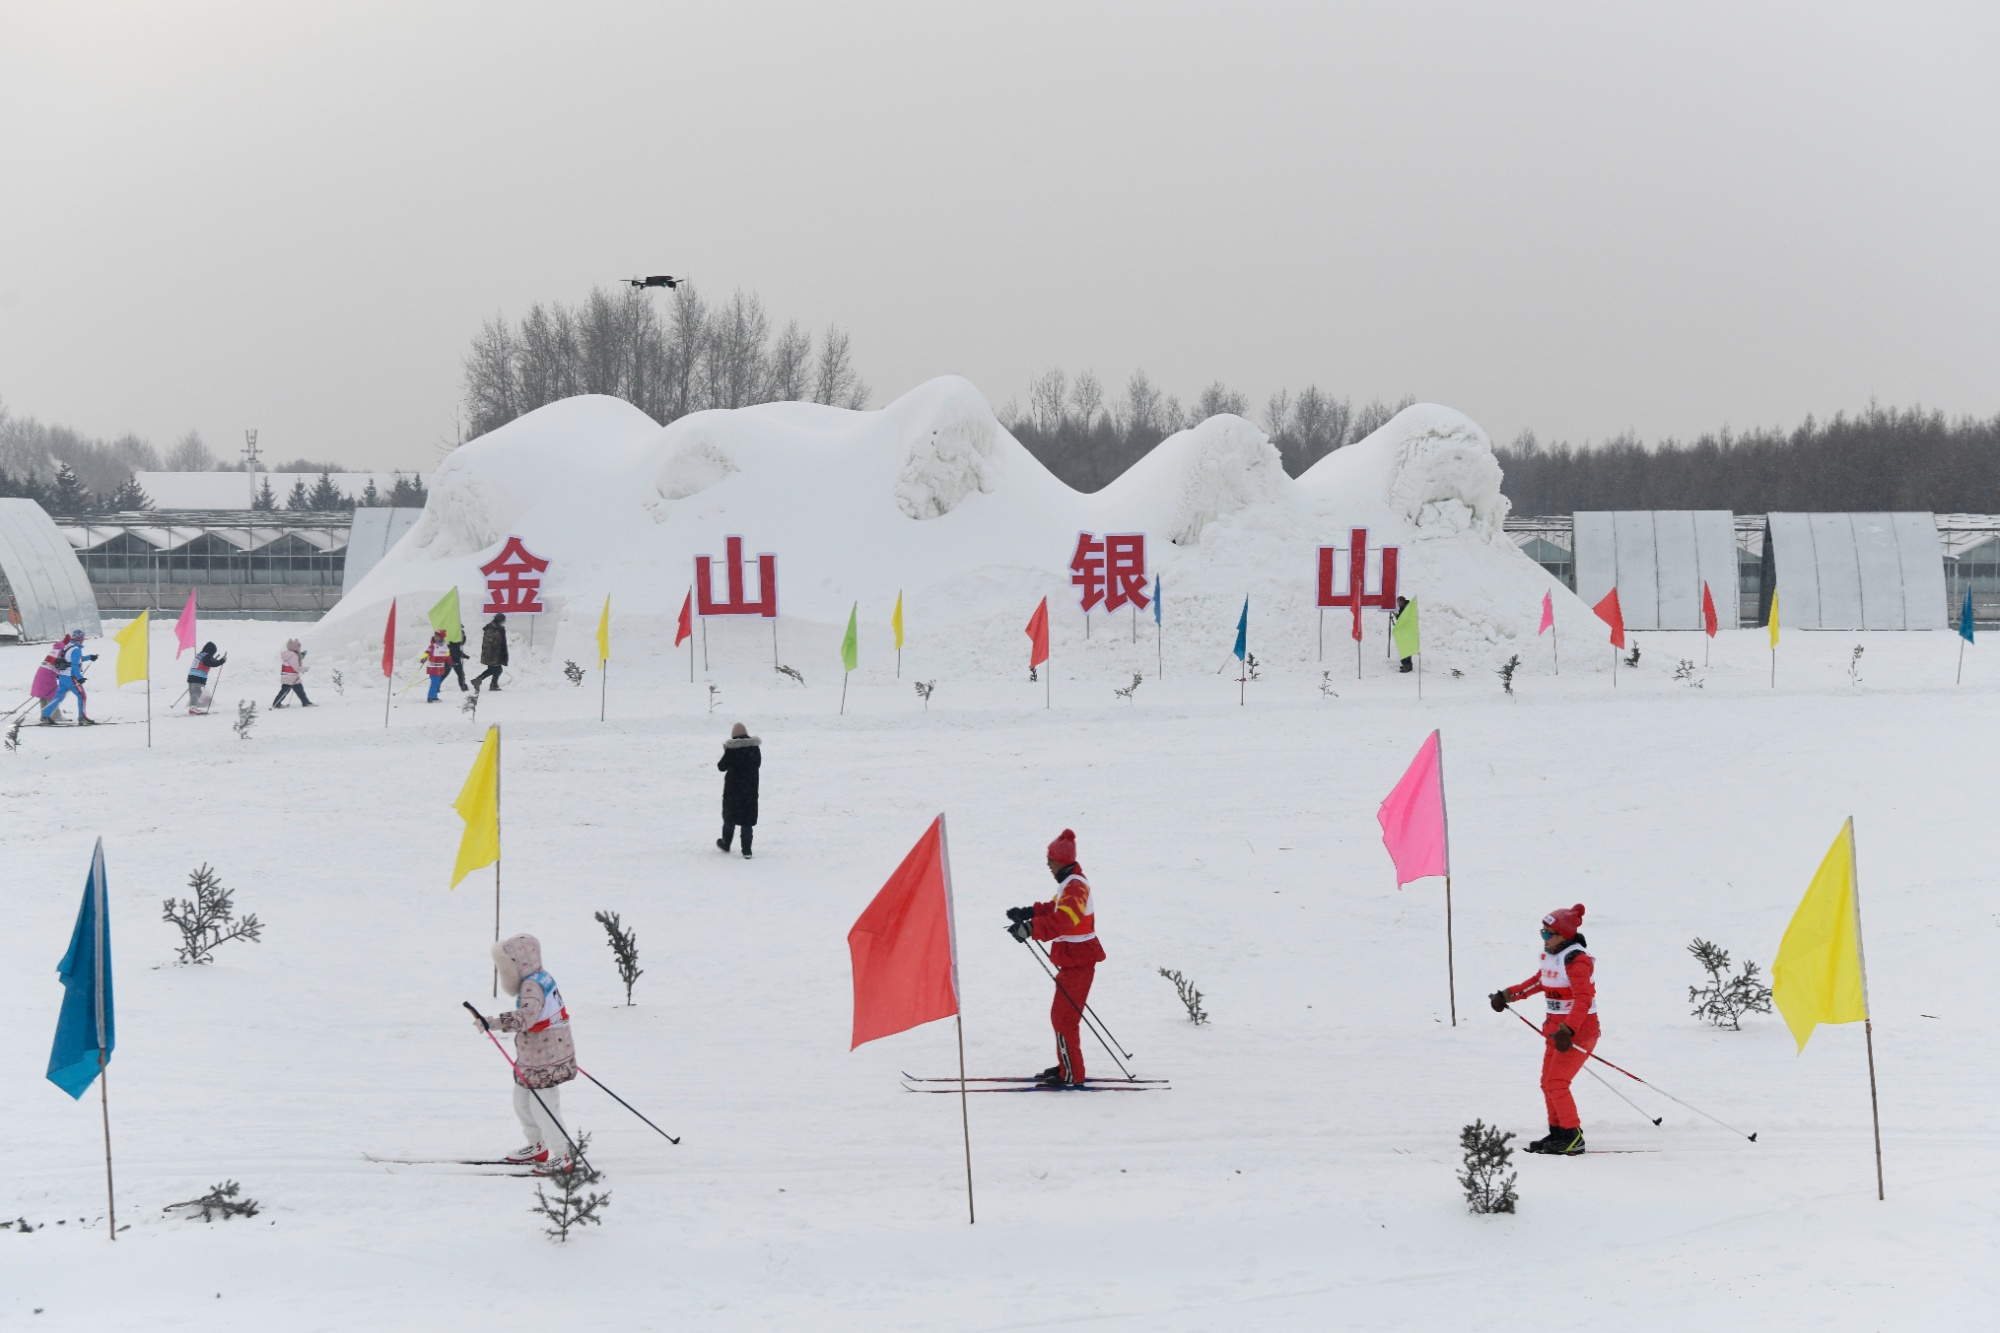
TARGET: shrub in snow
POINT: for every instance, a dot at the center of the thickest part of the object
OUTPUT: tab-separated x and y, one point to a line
1250	666
625	948
1127	692
1189	996
208	920
1486	1156
220	1201
924	688
14	731
339	683
1725	999
469	706
788	671
575	1203
574	672
714	696
1684	673
1326	686
1507	670
1854	665
246	718
1632	658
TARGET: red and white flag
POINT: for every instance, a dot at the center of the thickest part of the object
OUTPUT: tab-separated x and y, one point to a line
905	966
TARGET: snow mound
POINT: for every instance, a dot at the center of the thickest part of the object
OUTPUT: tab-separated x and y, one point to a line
693	465
1434	467
1215	469
950	455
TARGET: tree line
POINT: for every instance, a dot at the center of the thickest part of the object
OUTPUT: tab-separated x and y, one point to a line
698	356
1879	459
1088	440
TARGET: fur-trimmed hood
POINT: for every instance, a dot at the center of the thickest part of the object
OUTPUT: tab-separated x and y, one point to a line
516	957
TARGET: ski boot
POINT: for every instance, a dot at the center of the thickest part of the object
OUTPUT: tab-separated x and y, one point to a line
532	1155
86	722
1546	1143
1569	1143
555	1166
49	722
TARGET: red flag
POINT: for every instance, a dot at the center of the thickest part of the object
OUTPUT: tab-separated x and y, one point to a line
905	972
1610	613
685	630
1708	621
1038	635
389	643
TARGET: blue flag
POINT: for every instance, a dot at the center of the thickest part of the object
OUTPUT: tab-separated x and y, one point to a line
1243	631
85	1028
1156	599
1965	616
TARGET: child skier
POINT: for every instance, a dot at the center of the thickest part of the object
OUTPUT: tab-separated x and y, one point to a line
437	663
291	669
1566	978
544	1054
66	659
204	662
1069	922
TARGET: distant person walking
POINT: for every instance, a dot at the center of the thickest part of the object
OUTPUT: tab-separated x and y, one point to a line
291	675
205	661
437	663
492	651
742	756
457	647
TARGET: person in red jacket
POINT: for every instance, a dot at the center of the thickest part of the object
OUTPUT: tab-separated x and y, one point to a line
1069	923
1567	978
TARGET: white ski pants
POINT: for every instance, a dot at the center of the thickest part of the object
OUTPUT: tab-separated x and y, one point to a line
536	1123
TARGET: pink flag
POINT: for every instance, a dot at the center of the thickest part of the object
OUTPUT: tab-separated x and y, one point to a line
184	627
1413	819
1548	614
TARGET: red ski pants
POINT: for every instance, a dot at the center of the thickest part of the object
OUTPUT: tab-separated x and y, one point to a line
1066	1014
1559	1067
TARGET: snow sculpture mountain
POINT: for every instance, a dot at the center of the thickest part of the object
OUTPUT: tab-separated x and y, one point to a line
933	497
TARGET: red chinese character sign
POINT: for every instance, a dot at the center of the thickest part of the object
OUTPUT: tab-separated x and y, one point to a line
1356	594
738	603
1110	570
514	580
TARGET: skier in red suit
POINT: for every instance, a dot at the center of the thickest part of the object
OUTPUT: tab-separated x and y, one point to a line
1069	923
1567	979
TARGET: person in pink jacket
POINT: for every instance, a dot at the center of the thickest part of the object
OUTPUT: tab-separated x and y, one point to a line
291	673
544	1053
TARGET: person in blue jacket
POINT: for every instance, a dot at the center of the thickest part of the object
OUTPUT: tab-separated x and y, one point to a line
69	680
205	661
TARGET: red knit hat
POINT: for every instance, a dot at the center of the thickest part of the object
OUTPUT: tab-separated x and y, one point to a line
1063	850
1565	921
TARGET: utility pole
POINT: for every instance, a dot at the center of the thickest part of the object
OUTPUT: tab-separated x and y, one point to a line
250	463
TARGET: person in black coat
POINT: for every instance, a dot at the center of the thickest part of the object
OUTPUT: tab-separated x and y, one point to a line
742	756
492	651
457	647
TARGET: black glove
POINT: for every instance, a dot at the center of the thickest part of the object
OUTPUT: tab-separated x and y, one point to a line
1021	930
1498	999
1564	1038
1020	914
90	657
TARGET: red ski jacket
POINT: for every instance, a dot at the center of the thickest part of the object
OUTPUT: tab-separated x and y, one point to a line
1069	923
1567	979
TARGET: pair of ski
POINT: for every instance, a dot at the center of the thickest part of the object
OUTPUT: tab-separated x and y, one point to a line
521	1170
1031	1083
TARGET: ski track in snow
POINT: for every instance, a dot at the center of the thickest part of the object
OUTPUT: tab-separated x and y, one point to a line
1299	1172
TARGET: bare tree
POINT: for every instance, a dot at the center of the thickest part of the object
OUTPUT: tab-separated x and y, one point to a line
1144	413
736	360
1047	395
1086	397
686	343
189	455
1278	414
790	366
1217	400
492	386
834	380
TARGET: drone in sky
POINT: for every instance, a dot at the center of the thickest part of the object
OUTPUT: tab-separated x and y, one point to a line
658	280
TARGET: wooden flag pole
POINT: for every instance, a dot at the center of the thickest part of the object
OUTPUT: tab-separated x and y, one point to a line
603	685
102	946
1867	1015
1444	807
104	1104
149	687
496	856
958	1018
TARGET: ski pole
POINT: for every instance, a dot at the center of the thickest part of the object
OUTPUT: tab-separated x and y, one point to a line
627	1105
487	1028
1083	1011
1656	1119
1095	1015
1636	1079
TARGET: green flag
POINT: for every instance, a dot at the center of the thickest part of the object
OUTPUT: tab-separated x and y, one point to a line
444	616
850	653
1405	631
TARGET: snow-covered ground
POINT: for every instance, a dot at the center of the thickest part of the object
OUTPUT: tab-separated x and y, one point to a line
1299	1173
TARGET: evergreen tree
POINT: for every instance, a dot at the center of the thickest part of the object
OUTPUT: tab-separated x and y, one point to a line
129	498
67	496
298	500
328	498
408	492
265	500
370	497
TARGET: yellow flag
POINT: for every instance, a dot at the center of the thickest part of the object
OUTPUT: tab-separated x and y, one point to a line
1817	975
133	655
1774	617
478	804
604	633
896	620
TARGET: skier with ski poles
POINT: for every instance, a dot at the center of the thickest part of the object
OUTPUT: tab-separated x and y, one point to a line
544	1053
1069	923
66	658
437	664
1567	978
291	675
204	662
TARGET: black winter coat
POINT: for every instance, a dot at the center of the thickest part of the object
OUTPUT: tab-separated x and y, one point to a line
493	645
741	758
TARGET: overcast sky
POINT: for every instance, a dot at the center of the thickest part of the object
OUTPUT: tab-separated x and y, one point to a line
1581	219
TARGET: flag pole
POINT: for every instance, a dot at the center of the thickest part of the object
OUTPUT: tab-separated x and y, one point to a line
1554	650
104	1104
958	1018
149	685
704	644
843	692
1867	1017
102	944
603	684
1960	678
496	854
1444	808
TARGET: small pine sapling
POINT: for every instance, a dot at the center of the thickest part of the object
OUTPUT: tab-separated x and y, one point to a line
1854	665
1684	673
1127	692
624	948
714	696
469	706
924	688
246	718
220	1201
1032	677
14	732
573	671
1189	996
339	683
793	673
1456	674
1507	670
574	1204
208	920
1486	1156
1326	689
1725	999
1632	658
1250	666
